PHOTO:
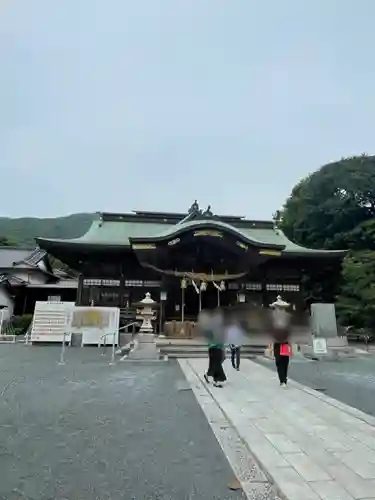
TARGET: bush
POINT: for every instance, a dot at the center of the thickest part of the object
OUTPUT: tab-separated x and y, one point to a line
21	323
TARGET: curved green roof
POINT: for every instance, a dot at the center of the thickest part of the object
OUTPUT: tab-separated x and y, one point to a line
120	233
177	229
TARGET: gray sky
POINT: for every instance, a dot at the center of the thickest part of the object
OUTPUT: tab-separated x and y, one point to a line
117	105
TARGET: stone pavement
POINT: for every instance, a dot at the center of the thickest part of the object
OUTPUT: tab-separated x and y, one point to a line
311	446
88	430
351	381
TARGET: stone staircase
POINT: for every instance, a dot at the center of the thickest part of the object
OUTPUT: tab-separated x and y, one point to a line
197	348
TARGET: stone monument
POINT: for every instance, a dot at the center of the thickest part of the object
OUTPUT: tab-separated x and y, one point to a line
323	320
324	326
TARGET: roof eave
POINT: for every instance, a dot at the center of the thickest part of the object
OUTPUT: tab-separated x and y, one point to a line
182	228
325	254
76	245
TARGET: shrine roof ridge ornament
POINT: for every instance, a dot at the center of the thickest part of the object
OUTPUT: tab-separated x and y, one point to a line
196	213
194	209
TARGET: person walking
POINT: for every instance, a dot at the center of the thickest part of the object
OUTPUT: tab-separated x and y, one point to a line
282	352
211	325
215	365
234	338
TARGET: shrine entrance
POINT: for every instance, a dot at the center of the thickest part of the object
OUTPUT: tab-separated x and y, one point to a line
197	263
194	301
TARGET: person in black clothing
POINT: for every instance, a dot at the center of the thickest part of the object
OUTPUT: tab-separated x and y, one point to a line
281	320
282	363
210	325
215	366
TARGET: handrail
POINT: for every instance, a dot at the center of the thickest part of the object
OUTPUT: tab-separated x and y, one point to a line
105	335
121	328
129	324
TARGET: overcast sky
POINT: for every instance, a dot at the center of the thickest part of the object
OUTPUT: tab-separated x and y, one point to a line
116	105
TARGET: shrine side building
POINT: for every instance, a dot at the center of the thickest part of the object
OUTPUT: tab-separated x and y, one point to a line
190	261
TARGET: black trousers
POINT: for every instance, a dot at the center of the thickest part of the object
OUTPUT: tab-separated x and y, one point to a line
282	365
235	352
215	366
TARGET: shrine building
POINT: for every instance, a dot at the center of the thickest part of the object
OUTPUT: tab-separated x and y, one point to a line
189	262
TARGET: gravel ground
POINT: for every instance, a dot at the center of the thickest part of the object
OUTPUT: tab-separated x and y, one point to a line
87	430
351	381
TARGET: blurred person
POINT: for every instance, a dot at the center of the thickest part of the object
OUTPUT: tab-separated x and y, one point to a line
211	325
282	350
234	338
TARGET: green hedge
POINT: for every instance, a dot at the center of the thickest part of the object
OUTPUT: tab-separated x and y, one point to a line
21	323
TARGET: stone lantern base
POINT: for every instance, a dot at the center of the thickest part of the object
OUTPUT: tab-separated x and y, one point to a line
145	349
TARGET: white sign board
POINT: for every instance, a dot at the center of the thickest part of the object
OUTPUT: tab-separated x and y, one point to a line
320	346
51	321
96	324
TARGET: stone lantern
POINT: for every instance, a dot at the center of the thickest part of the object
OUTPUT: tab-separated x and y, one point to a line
279	303
281	319
144	344
146	314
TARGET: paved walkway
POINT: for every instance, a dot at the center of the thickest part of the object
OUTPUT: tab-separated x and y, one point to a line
311	446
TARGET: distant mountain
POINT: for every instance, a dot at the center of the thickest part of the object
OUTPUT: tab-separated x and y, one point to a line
21	232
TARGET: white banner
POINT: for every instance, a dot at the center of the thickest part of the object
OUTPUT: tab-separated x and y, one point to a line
96	324
51	321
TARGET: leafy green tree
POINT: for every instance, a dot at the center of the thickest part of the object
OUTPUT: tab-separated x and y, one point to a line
334	208
356	301
6	242
325	208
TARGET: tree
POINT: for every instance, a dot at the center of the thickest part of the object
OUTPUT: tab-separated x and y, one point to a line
325	208
6	242
356	301
334	208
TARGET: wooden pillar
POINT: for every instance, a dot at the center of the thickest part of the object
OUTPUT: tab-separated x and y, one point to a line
79	290
164	288
264	292
122	286
301	294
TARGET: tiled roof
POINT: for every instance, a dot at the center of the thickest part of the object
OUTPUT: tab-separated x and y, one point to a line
119	233
12	280
3	278
9	256
35	257
59	284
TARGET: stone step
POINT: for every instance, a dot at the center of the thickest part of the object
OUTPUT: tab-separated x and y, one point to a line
201	348
197	350
200	354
